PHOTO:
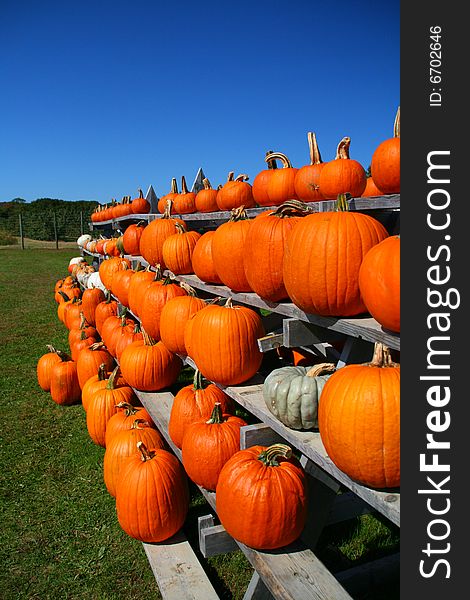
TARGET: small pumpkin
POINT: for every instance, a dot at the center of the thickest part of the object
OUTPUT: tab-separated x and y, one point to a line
292	394
385	165
178	249
281	181
307	179
44	367
185	202
270	474
343	175
206	199
371	189
139	205
235	192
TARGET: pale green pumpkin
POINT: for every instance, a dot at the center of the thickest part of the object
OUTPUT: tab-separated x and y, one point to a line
292	394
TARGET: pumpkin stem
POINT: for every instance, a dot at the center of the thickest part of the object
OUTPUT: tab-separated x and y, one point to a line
51	348
321	369
315	156
144	453
174	186
148	341
238	214
158	272
242	177
122	312
188	289
269	456
207	184
137	422
184	187
112	378
230	176
167	211
342	152
129	410
286	163
382	357
64	296
228	303
272	164
342	204
291	208
216	416
102	372
197	380
107	295
63	356
179	228
396	125
141	193
96	346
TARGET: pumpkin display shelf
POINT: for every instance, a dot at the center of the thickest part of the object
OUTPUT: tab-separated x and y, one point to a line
294	571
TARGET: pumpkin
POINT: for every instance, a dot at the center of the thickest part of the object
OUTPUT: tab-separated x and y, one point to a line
152	496
206	199
307	179
83	239
292	394
138	284
153	236
90	359
193	403
44	367
224	342
235	193
67	292
90	300
64	384
261	181
72	314
177	250
264	249
385	165
359	420
207	446
148	365
104	310
154	299
184	202
102	407
281	181
109	266
322	258
343	175
228	251
113	330
121	282
83	342
262	497
379	282
131	332
174	317
139	205
162	203
94	281
76	334
94	383
131	238
123	445
124	418
202	260
371	189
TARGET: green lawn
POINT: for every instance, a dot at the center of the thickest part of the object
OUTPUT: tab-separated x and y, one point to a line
59	536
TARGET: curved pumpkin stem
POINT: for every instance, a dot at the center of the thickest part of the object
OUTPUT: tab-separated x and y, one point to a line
129	410
290	208
286	163
321	369
112	379
342	152
269	456
148	341
342	204
174	186
272	164
230	176
382	357
96	346
179	228
216	416
188	289
207	184
145	454
197	380
51	348
238	214
242	177
315	156
396	125
136	424
141	195
167	211
64	357
102	372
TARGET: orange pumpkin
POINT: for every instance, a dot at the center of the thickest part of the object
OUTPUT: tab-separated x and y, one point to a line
379	282
385	165
202	260
178	249
131	238
162	203
44	367
184	202
153	236
261	182
342	175
174	316
235	193
359	420
90	300
108	308
139	283
281	181
307	179
64	384
371	189
124	418
206	199
89	361
140	206
154	299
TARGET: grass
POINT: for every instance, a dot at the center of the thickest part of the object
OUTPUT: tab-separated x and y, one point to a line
59	537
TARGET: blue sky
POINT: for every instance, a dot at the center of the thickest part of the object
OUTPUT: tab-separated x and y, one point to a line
100	98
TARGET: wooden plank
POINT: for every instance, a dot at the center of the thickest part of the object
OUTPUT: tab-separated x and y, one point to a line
310	444
289	573
178	572
213	539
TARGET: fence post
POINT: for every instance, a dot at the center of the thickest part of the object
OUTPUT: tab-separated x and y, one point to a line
21	231
54	220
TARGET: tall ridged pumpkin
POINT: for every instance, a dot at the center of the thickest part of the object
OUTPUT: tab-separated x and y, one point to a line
90	300
138	285
154	299
64	385
235	192
195	402
323	255
262	497
359	420
105	309
44	367
379	282
174	316
202	260
264	249
178	249
307	179
148	365
152	496
109	266
281	181
224	342
385	165
343	175
261	182
228	251
131	238
90	359
156	232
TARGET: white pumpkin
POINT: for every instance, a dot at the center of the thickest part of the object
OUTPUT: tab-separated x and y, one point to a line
94	280
83	239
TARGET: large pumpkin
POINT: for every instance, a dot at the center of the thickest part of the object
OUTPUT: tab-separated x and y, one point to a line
178	249
131	238
224	342
264	250
262	497
322	259
379	282
152	496
343	175
154	299
208	444
281	181
385	165
174	316
202	259
153	236
307	179
261	182
359	420
64	385
109	266
44	367
292	394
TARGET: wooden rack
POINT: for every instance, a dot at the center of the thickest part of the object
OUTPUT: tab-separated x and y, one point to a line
293	572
